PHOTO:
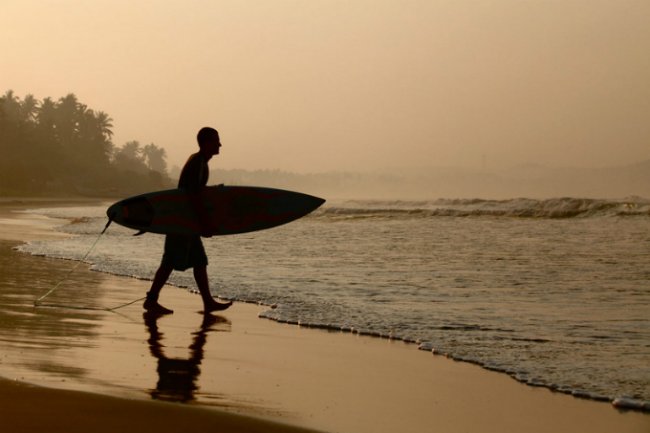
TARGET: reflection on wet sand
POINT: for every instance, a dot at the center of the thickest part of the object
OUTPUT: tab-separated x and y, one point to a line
72	343
178	377
38	338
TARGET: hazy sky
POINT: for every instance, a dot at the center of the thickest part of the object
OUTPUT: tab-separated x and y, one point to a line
318	85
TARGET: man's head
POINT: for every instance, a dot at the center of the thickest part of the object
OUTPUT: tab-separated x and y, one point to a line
209	141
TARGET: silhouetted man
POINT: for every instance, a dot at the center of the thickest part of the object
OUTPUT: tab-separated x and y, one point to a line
186	251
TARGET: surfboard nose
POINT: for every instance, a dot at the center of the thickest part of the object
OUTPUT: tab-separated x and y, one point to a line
312	202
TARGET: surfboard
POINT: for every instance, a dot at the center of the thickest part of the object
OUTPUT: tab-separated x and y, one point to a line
230	210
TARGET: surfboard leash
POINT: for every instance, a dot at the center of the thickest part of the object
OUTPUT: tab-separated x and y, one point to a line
38	303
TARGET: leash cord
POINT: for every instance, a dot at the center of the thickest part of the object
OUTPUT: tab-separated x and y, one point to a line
38	302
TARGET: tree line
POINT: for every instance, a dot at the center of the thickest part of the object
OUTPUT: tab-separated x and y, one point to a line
64	147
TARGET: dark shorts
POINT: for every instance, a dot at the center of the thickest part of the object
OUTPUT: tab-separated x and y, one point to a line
184	252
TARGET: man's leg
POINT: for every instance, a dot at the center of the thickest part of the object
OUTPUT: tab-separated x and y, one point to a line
209	304
151	303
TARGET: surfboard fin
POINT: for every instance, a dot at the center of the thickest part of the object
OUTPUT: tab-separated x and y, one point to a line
141	232
110	220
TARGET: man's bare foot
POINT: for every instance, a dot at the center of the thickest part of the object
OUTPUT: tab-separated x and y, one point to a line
216	306
154	307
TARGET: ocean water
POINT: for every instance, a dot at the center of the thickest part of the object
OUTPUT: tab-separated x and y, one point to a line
555	293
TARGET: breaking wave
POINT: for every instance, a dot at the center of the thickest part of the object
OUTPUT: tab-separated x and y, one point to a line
512	208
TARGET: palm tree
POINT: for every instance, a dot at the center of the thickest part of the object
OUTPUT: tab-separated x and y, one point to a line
155	158
46	113
95	133
131	150
67	118
104	123
29	108
130	158
10	105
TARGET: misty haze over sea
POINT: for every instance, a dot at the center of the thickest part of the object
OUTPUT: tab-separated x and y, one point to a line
63	147
530	181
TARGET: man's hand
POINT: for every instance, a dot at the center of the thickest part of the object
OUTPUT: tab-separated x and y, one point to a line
204	220
205	227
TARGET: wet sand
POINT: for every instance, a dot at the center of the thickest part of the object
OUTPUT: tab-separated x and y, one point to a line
69	369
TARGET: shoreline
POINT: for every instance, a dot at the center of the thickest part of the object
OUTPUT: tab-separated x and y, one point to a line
329	381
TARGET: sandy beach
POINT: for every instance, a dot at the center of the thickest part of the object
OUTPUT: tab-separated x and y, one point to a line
70	369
